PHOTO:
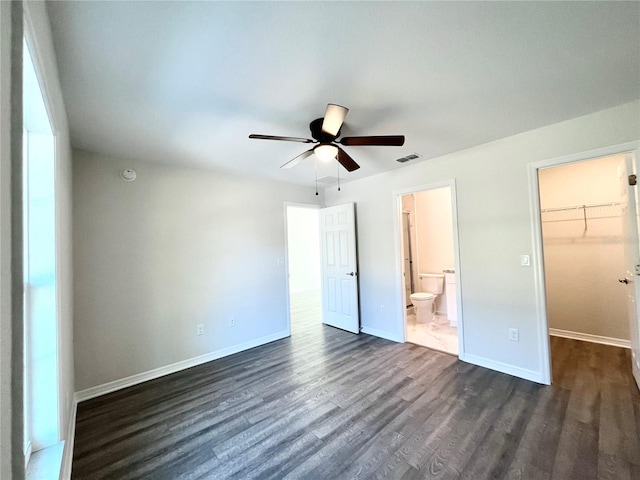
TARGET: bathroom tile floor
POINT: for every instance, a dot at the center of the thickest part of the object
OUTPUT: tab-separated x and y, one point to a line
438	335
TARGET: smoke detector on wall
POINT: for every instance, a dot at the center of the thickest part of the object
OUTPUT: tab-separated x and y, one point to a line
128	174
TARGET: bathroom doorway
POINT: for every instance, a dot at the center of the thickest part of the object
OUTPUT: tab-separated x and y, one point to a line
428	240
303	265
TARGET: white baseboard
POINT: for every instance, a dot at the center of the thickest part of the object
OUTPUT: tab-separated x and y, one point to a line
382	334
109	387
453	323
67	453
503	367
587	337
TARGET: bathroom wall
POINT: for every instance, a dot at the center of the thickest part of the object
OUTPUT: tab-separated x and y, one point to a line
409	206
434	231
582	267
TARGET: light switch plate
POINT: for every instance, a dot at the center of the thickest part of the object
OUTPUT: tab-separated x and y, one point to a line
525	261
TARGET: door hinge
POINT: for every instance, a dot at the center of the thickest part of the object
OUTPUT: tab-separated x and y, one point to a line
637	269
633	180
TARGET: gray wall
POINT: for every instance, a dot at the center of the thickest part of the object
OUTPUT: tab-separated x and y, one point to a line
10	160
175	248
494	230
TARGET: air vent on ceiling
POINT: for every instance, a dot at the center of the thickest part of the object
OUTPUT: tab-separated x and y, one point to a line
328	180
413	156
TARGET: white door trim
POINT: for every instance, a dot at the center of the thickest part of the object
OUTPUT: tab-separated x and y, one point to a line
397	227
286	253
537	262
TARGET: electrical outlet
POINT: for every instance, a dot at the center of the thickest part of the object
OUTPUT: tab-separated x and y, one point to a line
232	321
514	335
200	329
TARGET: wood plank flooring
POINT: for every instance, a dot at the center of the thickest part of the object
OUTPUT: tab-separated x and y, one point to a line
326	404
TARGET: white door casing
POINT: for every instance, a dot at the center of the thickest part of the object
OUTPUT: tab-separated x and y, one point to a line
408	272
630	219
536	229
340	306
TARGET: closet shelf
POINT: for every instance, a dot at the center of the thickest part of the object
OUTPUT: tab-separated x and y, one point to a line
593	211
580	207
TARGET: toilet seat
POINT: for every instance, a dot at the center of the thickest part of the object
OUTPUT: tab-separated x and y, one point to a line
422	296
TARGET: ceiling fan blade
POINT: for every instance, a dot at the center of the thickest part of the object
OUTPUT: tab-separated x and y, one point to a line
285	139
346	161
384	140
333	119
298	159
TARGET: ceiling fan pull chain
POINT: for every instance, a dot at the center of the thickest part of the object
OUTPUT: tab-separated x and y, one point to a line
338	175
315	163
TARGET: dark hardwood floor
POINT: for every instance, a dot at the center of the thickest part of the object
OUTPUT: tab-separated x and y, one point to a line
326	404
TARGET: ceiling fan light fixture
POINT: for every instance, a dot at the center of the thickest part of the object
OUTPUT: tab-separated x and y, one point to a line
333	119
326	152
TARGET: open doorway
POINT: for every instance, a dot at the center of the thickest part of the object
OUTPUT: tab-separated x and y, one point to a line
585	225
429	259
304	267
582	238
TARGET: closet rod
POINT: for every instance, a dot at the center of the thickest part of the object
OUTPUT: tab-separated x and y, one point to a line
578	207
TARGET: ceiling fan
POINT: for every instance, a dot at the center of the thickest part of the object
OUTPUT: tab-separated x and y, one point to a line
325	132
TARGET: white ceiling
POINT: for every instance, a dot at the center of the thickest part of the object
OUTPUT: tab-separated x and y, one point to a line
187	82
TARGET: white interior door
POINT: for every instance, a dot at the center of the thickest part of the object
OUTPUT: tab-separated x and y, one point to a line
630	219
339	268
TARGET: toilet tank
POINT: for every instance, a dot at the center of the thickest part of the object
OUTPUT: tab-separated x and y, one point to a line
432	282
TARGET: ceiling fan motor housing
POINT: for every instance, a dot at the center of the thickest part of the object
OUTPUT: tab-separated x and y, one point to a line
318	134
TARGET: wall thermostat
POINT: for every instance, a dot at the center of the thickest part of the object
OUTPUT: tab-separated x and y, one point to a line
128	174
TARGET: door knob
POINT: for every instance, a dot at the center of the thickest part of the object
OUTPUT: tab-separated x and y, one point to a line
351	273
623	280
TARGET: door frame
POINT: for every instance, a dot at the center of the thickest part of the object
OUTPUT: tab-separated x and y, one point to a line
311	206
399	252
537	262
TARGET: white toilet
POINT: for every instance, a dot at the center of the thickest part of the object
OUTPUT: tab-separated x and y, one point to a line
431	285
